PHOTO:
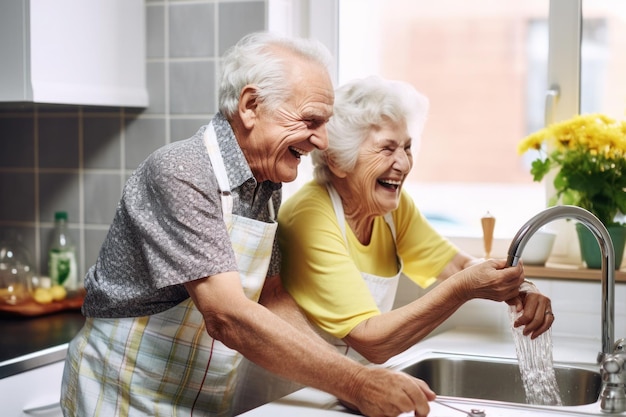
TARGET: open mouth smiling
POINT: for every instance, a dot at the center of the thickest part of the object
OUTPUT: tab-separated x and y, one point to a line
297	152
389	183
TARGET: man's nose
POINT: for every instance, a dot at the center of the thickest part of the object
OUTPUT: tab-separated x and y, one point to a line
319	138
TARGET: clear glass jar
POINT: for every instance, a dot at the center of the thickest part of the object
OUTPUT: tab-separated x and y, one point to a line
16	271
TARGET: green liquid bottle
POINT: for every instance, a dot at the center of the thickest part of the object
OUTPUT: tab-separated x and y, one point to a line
62	265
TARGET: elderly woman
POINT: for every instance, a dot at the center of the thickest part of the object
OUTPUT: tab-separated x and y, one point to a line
347	236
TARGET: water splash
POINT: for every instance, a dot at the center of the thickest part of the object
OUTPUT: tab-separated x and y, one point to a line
535	365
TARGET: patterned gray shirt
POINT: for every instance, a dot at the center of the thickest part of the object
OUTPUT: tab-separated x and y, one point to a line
168	227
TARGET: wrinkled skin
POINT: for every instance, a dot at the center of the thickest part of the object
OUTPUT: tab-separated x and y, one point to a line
372	189
274	140
529	300
382	402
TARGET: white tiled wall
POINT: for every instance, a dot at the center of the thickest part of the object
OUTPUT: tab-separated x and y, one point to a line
576	305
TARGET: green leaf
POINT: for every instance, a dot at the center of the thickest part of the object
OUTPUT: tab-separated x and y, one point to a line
539	168
620	201
571	197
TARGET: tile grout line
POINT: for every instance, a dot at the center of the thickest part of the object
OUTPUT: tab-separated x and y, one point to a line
81	190
37	259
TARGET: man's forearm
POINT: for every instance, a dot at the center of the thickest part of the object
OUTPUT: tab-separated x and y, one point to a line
276	299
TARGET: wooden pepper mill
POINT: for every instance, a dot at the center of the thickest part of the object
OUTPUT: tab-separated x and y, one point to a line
488	223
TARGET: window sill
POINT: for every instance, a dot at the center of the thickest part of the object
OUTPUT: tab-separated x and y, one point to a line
569	272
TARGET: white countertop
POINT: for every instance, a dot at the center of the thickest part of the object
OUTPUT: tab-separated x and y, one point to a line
312	402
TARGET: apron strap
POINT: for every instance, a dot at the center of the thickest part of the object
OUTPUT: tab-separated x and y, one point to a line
212	147
336	200
210	142
392	226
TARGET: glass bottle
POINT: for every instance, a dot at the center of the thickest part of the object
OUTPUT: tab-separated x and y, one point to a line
62	265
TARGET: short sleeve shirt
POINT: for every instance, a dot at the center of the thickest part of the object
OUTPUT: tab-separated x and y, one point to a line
323	273
168	227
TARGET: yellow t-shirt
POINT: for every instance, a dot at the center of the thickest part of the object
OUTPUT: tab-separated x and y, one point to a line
324	276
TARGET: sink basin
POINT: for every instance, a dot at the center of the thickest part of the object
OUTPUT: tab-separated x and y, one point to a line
498	379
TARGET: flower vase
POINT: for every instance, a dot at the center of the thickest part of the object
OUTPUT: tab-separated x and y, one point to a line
590	250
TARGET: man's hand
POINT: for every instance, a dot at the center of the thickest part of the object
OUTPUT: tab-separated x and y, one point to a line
385	393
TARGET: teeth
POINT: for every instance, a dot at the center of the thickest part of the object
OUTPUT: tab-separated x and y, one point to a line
391	182
302	152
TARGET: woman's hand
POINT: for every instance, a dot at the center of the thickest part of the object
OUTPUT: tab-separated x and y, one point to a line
537	316
490	280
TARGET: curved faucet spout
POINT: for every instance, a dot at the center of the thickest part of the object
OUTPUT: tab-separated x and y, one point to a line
608	259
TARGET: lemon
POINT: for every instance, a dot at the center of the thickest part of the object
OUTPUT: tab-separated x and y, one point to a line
43	296
58	292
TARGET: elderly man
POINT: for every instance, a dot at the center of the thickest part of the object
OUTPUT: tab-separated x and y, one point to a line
186	280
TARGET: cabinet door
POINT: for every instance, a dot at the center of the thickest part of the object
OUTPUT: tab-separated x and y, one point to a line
33	393
73	52
15	73
88	52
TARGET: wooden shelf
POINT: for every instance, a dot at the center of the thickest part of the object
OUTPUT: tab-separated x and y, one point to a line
571	272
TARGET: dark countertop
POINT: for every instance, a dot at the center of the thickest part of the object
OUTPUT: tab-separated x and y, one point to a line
29	342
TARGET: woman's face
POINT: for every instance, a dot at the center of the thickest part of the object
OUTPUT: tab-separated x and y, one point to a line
383	163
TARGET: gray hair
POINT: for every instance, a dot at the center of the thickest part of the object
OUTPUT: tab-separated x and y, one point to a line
360	106
256	60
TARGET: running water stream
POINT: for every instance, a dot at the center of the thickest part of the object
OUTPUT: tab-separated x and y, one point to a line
535	365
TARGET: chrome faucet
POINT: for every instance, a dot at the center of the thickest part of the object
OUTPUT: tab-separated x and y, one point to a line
611	358
608	259
613	371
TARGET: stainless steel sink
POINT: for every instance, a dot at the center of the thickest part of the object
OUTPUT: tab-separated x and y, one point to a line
498	379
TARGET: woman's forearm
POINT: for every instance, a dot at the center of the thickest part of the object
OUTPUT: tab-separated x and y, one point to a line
388	334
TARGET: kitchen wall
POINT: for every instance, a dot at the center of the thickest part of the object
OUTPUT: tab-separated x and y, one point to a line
76	158
577	307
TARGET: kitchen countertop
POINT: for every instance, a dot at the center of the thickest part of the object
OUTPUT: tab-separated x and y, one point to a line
570	272
29	342
312	402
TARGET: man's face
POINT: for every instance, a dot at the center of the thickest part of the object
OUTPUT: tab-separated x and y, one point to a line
298	126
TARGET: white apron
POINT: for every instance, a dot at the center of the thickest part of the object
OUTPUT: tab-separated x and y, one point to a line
383	289
259	386
168	364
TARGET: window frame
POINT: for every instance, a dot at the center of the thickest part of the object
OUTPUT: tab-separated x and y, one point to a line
320	19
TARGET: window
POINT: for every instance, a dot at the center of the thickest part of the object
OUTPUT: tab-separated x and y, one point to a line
485	66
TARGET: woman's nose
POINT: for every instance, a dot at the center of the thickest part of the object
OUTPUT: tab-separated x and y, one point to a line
402	160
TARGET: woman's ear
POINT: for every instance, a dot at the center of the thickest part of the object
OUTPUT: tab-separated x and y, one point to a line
248	106
336	171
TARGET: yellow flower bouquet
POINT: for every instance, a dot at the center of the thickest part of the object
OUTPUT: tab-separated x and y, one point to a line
589	152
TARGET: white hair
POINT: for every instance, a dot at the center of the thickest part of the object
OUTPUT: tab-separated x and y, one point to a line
257	60
361	106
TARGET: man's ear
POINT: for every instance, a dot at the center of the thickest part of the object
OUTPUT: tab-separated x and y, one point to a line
338	172
248	106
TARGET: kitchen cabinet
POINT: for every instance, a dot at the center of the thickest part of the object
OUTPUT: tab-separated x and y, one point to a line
32	355
73	52
35	392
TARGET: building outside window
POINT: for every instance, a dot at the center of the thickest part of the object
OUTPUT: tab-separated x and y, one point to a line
484	65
